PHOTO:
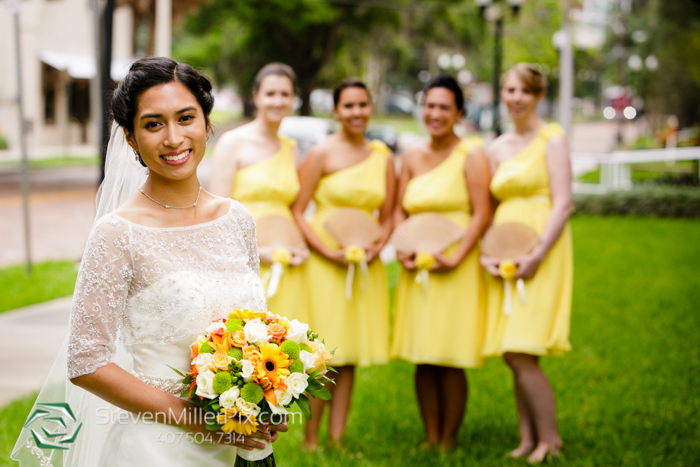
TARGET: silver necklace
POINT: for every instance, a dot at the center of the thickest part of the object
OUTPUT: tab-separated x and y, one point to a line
174	207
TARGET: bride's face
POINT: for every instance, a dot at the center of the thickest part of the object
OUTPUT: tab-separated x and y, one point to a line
170	131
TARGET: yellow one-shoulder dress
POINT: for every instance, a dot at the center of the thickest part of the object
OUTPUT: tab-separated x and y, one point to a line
358	327
270	187
541	325
443	326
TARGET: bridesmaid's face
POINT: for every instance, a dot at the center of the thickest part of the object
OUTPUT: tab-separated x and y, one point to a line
274	98
440	111
519	100
354	110
170	131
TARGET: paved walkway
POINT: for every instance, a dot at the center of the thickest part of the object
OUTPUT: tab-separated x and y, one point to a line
36	332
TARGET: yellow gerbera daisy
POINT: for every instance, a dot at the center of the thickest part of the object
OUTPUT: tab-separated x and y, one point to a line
233	420
274	365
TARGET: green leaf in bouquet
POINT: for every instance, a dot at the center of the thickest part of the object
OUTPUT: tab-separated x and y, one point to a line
306	347
333	351
316	389
185	393
188	379
176	371
216	407
304	405
330	368
213	426
316	374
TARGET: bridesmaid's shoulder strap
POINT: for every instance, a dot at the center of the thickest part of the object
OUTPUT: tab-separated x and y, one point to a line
379	147
552	130
468	145
289	142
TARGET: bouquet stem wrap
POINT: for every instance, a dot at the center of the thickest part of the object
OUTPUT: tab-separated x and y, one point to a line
256	457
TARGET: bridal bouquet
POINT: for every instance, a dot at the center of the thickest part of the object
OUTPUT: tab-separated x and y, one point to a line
249	368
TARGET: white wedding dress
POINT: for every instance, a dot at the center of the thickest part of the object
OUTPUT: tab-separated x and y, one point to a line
152	291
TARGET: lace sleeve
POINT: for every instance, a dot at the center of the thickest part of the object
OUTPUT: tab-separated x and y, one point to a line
248	235
99	298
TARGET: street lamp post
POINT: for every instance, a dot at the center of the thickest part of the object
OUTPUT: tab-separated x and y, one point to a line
491	11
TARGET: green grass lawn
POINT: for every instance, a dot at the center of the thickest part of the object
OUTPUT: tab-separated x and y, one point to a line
48	280
648	171
54	162
627	394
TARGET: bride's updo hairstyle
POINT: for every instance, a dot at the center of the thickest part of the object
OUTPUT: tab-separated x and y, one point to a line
530	75
153	71
449	83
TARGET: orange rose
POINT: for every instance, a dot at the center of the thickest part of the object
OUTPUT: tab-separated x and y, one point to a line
277	331
238	339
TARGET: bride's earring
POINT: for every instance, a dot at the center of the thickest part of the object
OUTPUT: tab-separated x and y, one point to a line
136	155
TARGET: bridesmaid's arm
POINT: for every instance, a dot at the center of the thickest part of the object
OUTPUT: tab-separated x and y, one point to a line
559	169
224	166
386	211
489	263
476	170
399	214
310	173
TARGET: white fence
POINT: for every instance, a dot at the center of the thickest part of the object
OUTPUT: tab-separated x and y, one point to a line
615	173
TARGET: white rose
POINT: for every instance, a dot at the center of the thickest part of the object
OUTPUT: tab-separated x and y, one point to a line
284	397
228	399
297	383
256	332
247	371
297	332
205	385
247	408
202	362
308	359
215	326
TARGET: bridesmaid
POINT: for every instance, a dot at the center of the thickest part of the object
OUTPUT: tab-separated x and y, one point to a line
256	166
346	170
532	184
441	330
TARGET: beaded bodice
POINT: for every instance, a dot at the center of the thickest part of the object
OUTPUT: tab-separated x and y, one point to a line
155	289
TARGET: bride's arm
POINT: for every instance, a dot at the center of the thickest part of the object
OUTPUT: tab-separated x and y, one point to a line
125	391
100	297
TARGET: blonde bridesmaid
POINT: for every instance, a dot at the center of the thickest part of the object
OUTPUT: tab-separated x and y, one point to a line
346	170
440	329
532	185
256	166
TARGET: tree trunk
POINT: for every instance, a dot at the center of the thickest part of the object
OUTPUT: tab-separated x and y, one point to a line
306	85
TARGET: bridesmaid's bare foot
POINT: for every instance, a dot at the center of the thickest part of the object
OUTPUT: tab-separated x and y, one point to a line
309	447
544	452
521	451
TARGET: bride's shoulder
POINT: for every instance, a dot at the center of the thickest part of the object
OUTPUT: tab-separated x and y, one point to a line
233	207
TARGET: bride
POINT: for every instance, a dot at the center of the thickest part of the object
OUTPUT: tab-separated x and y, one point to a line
157	268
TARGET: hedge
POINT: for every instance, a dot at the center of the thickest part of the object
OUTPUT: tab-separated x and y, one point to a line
662	201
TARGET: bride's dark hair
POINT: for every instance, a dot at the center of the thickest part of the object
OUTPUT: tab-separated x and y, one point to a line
152	71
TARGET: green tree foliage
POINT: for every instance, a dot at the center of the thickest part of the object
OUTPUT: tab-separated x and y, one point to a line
233	39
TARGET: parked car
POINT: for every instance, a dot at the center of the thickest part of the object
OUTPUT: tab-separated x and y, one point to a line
306	130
